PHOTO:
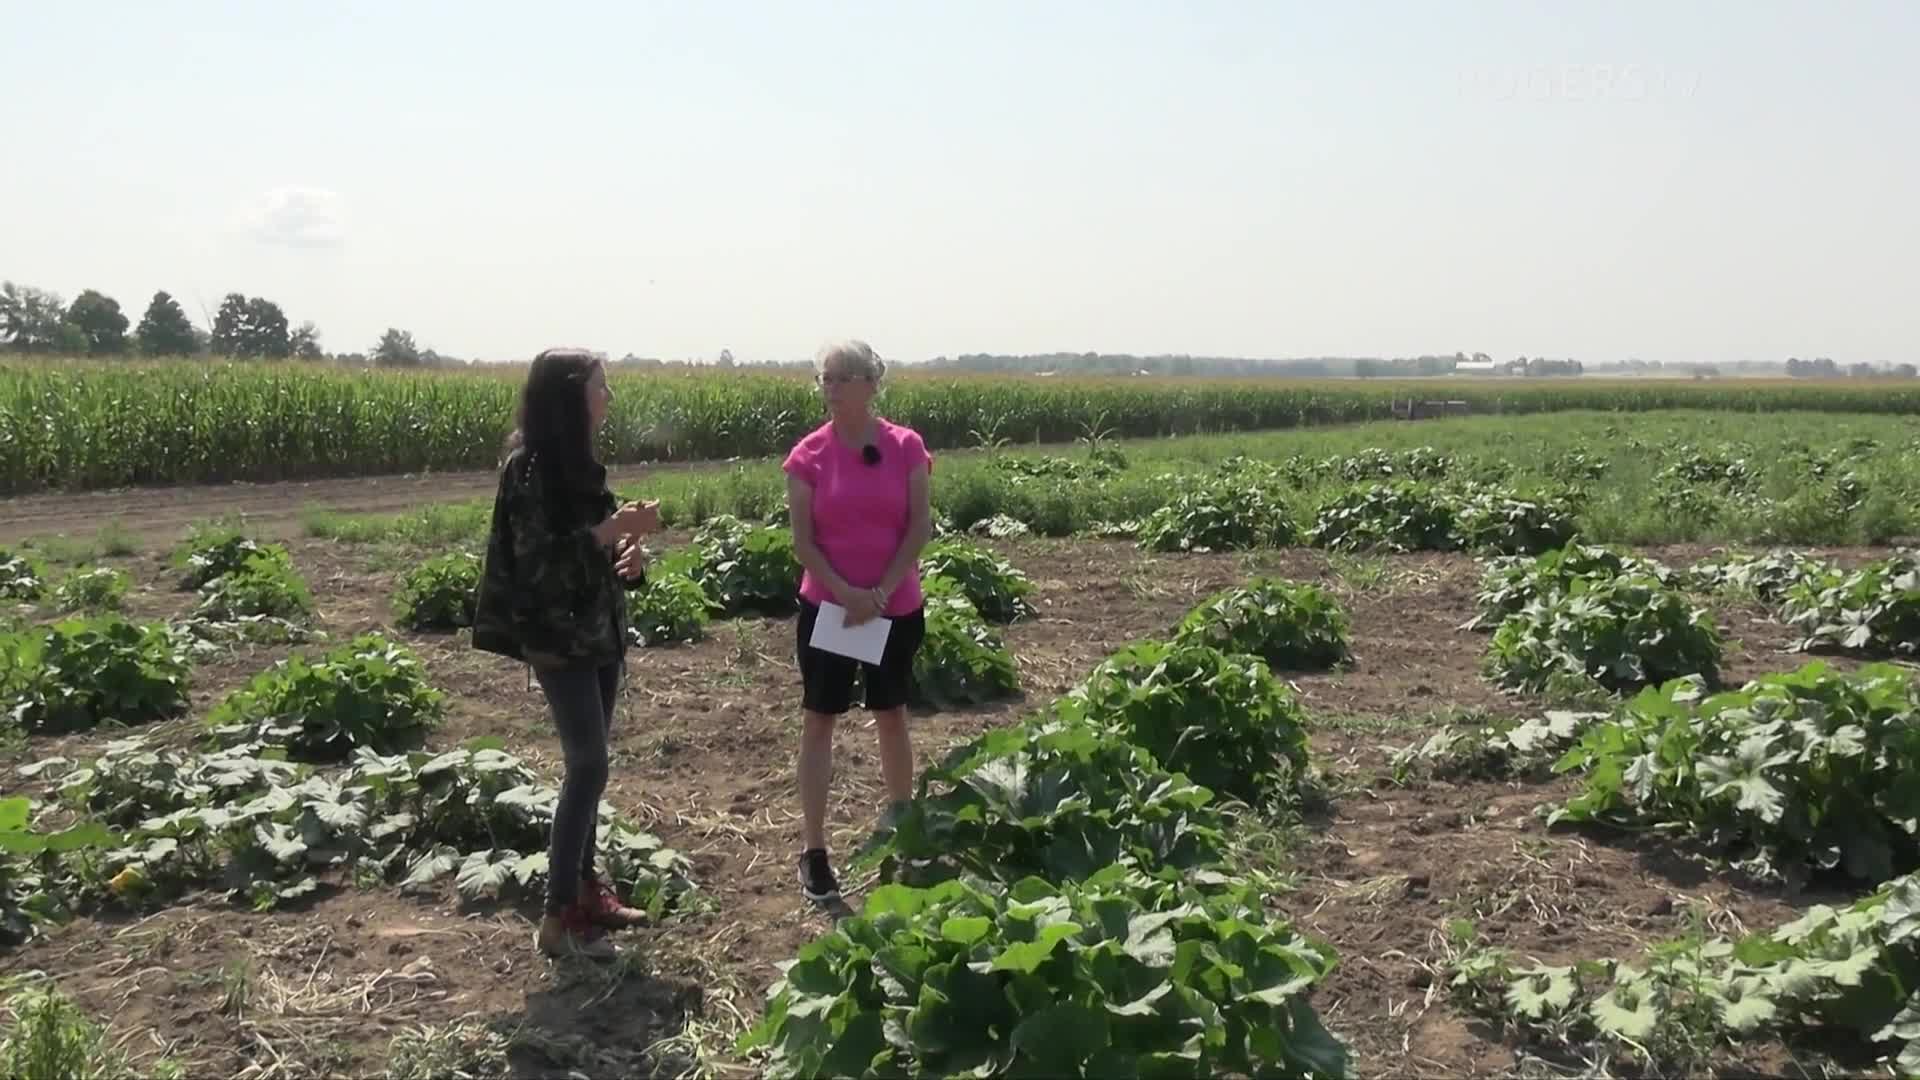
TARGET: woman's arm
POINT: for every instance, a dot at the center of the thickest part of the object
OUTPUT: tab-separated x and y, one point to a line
541	549
800	518
919	531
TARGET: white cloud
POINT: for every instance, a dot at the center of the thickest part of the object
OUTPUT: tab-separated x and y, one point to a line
296	217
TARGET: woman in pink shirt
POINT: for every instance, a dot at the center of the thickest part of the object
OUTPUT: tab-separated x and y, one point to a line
857	500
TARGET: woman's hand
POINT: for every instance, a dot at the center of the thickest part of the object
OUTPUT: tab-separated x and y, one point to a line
631	561
638	518
633	519
861	604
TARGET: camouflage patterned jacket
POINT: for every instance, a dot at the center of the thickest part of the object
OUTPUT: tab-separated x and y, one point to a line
549	595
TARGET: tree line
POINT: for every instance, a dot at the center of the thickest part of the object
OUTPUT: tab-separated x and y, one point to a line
1426	365
37	321
1093	363
1824	368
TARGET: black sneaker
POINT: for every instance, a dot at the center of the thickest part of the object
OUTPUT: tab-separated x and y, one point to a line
816	877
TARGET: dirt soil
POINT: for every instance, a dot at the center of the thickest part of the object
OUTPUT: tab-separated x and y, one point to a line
703	755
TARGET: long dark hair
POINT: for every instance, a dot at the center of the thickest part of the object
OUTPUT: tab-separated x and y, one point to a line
552	421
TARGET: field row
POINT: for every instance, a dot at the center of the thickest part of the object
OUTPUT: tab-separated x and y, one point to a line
1466	485
79	425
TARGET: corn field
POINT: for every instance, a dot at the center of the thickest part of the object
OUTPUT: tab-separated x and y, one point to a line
77	425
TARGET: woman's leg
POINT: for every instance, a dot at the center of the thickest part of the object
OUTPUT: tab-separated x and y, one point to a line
814	776
609	679
580	719
599	898
896	753
826	692
889	686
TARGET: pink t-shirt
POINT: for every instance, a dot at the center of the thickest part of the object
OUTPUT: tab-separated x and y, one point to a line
860	512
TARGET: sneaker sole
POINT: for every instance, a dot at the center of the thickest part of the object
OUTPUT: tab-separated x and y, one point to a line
818	897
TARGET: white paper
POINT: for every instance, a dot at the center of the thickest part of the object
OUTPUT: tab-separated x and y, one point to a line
864	642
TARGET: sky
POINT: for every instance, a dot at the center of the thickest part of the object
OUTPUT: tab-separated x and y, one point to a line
1705	181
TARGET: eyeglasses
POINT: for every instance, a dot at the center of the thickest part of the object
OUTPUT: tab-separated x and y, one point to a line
870	454
840	379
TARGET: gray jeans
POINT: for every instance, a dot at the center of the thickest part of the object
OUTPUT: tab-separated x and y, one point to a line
582	704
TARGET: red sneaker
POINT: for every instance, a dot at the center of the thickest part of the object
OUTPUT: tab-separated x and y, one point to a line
601	905
571	934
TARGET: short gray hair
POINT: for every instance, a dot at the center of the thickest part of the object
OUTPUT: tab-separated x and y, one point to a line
853	353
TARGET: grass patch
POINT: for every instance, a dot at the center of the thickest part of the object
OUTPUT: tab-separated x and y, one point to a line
61	548
441	523
116	541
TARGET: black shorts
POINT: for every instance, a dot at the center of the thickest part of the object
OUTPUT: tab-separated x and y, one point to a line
827	679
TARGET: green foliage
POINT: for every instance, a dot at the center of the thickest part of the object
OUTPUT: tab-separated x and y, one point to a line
23	575
1293	626
1048	799
260	828
101	588
1220	718
1116	976
1808	515
25	899
1725	468
264	585
1766	578
482	816
1496	520
131	781
1373	463
1496	748
670	607
1401	516
1813	767
1874	610
1617	633
1694	509
165	329
82	671
1021	470
1578	466
211	551
744	568
1000	527
1510	456
465	1048
1514	582
962	661
1831	971
1223	516
49	1035
997	588
368	692
79	424
440	593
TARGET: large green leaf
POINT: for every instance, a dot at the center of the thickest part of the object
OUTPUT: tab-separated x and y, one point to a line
1627	1011
1541	991
1061	1038
1026	956
485	873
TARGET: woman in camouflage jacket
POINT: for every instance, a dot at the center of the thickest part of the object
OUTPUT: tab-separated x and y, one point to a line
552	595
